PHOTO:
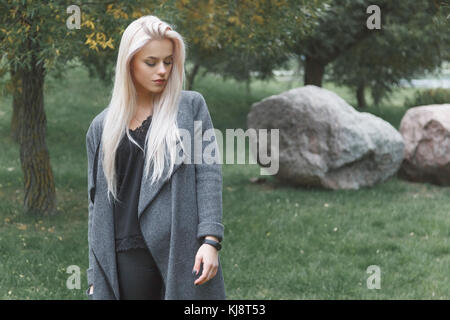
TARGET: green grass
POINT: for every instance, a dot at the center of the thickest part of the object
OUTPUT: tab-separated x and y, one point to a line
280	242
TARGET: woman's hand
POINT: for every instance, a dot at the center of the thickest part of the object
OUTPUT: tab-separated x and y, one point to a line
210	258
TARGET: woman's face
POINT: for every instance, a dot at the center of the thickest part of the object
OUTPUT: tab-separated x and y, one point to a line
153	62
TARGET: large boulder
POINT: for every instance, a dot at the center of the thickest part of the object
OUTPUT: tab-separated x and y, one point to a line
325	142
426	133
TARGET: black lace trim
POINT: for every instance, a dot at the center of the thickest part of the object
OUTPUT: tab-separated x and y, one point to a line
131	242
143	127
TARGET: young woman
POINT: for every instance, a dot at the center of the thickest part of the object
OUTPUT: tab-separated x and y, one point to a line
159	234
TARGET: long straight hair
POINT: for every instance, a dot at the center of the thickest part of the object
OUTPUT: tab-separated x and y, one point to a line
162	134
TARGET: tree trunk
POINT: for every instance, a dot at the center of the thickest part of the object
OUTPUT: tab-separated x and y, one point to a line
361	98
248	90
314	71
39	197
191	76
17	105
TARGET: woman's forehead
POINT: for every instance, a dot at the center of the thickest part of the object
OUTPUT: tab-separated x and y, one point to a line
157	49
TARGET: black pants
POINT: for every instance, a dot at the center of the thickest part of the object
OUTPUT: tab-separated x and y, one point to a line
139	277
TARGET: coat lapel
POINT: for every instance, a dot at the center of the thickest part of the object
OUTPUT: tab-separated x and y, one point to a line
149	190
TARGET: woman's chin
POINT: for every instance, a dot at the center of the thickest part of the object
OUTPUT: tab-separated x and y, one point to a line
156	89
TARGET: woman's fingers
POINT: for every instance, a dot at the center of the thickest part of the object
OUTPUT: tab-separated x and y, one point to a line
198	261
208	256
204	276
214	272
209	271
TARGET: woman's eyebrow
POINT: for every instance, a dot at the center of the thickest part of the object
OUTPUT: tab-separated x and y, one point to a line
157	57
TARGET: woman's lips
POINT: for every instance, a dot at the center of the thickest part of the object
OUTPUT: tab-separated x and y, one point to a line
159	81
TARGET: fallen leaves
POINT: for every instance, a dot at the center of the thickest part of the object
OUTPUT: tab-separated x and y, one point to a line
21	226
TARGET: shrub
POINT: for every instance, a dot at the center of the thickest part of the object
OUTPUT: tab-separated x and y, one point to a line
428	96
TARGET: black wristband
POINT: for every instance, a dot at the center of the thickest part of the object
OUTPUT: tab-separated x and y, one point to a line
215	244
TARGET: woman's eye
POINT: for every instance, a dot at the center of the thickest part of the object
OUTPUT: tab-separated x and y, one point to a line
152	64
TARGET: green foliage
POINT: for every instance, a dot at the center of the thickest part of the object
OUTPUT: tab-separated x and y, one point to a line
428	96
413	40
33	33
236	38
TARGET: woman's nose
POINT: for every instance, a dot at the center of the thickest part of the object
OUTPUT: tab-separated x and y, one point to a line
162	69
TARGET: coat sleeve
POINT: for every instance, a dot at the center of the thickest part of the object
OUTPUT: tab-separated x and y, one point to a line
90	146
208	177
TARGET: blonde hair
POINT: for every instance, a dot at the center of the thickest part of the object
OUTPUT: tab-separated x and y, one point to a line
163	131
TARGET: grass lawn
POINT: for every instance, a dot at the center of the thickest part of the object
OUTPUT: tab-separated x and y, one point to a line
280	242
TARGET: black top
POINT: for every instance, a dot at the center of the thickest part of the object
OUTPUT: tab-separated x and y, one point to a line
129	170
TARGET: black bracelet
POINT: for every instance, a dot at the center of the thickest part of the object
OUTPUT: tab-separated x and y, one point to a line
215	244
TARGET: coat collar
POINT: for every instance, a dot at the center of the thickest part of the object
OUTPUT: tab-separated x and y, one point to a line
103	237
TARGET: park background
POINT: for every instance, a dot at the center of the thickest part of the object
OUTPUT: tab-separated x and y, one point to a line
280	242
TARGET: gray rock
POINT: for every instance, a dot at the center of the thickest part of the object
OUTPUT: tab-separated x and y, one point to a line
325	142
426	133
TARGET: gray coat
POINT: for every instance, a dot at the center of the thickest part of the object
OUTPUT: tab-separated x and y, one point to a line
174	215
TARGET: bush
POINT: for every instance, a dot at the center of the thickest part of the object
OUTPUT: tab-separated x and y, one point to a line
428	96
